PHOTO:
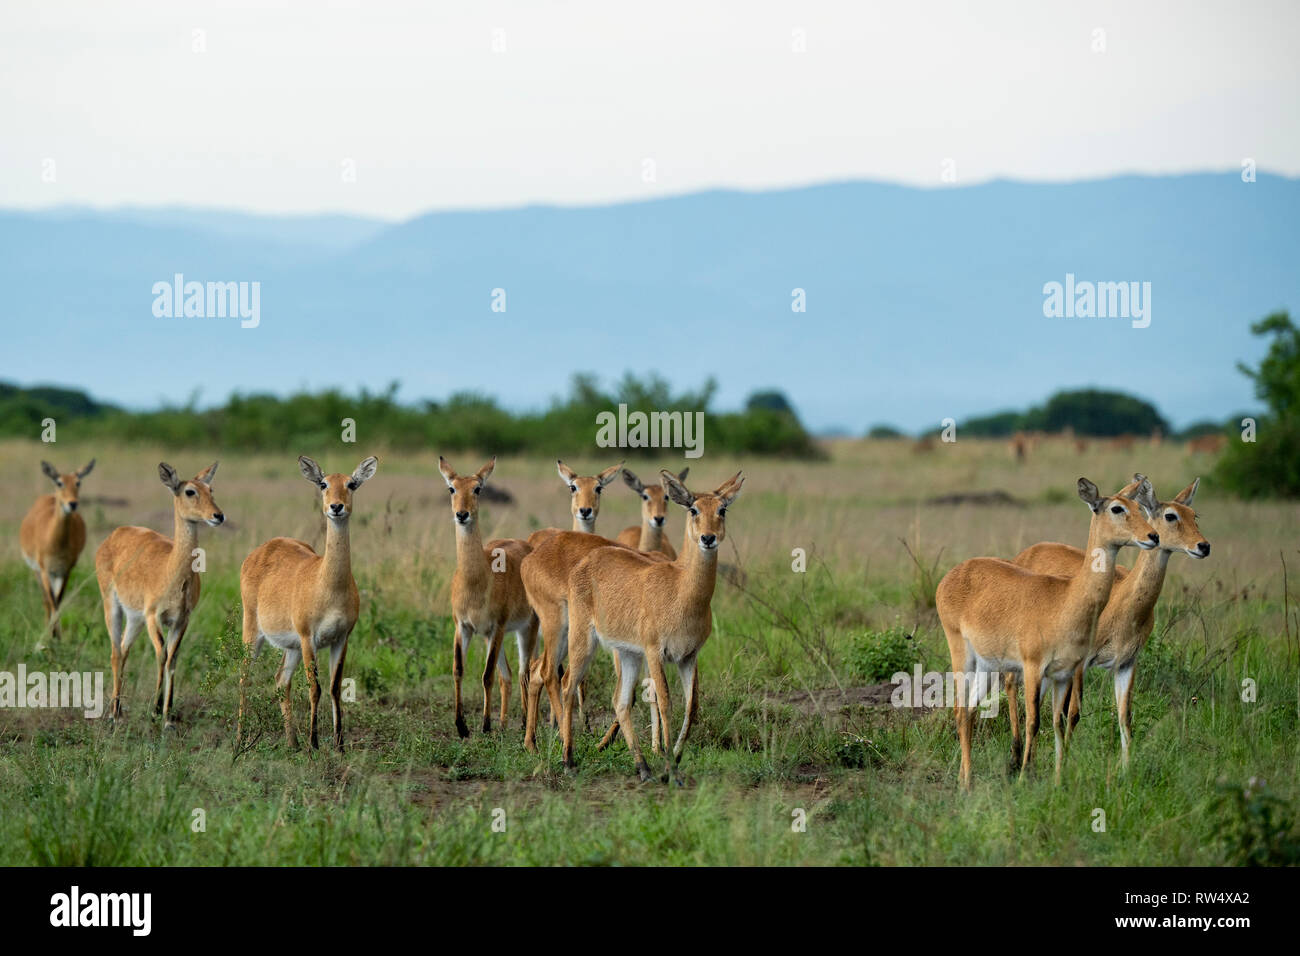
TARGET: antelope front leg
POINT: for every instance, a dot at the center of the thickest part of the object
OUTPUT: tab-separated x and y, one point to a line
284	680
458	672
160	652
1033	688
533	702
490	665
1124	708
527	640
1060	699
57	586
338	654
689	673
313	685
628	672
116	661
654	663
504	680
173	653
1011	684
579	657
1076	701
47	599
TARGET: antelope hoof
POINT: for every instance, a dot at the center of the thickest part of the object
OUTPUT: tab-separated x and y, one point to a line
487	725
643	771
461	729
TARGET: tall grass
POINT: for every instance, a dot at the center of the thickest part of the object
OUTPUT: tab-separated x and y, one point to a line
875	785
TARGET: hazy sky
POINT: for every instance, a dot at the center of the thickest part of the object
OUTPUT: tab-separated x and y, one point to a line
273	106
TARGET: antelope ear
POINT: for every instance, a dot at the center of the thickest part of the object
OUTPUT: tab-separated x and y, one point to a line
207	474
310	470
567	474
725	487
448	473
87	470
1131	489
365	471
168	475
51	473
483	473
609	474
1146	497
676	490
681	475
1090	495
1185	496
732	491
633	482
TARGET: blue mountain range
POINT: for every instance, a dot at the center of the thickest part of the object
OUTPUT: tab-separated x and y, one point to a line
919	304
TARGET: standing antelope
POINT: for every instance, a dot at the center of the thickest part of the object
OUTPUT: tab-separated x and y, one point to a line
487	596
300	601
1129	617
651	611
649	534
999	616
146	579
51	538
584	505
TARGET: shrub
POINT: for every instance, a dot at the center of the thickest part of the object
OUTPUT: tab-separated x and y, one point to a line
879	655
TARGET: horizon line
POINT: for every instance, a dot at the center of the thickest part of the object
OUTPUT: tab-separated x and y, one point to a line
181	207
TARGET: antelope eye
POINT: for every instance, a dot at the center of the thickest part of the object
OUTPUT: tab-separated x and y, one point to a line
189	492
694	511
645	497
477	490
722	512
599	489
573	489
451	491
352	486
1171	517
324	486
1117	510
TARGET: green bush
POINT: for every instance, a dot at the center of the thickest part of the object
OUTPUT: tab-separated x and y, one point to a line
1270	465
879	655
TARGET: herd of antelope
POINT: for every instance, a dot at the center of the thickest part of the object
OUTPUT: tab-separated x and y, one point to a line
1039	619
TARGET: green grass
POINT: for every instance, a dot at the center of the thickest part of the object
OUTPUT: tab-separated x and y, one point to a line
876	786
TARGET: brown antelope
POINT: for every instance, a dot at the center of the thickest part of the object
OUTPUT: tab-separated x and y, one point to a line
651	611
487	596
584	505
1210	444
545	575
51	538
999	616
148	580
300	601
649	534
1129	617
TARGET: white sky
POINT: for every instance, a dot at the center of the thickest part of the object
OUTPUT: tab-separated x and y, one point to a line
432	118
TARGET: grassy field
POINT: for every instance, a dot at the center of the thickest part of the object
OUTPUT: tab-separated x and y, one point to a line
794	724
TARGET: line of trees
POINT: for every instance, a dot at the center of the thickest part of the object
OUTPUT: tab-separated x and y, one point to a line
768	424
